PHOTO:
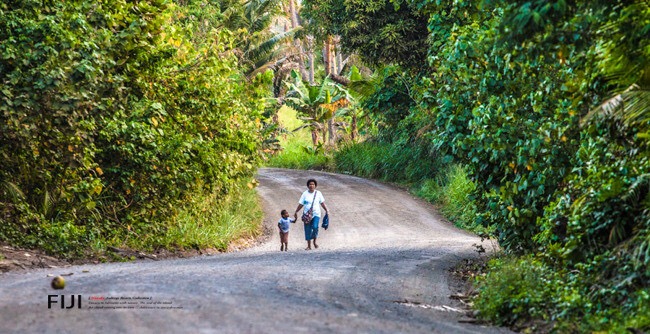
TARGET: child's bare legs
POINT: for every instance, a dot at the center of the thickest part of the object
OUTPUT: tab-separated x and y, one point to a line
281	241
315	245
308	245
284	241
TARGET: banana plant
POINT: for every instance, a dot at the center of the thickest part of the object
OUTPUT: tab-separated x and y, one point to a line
311	101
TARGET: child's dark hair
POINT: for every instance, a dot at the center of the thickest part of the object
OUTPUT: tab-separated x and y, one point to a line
310	181
283	212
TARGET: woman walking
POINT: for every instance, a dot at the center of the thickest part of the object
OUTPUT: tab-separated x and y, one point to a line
311	200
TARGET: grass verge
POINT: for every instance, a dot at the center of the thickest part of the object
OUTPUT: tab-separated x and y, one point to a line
210	224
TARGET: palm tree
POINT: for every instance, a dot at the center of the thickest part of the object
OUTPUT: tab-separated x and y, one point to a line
624	53
260	47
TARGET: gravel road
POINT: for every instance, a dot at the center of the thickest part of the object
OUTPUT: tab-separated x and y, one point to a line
383	247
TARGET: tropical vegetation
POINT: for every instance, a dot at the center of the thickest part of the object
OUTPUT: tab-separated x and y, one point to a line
141	124
121	121
544	104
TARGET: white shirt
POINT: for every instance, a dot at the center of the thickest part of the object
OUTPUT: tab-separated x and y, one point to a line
284	224
306	200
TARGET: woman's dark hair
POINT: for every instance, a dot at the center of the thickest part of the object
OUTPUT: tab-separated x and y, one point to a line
310	181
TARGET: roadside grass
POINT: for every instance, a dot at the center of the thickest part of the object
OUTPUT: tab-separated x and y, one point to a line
452	191
211	224
365	160
298	151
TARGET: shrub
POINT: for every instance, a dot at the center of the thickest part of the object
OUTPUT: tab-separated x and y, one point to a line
516	290
108	124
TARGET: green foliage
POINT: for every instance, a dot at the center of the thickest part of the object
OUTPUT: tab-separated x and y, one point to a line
308	100
509	85
296	156
517	289
363	159
311	103
528	292
209	221
297	151
389	101
380	31
112	115
507	106
453	191
599	226
515	127
250	22
396	162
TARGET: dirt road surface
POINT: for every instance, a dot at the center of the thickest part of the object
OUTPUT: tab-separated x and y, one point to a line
382	267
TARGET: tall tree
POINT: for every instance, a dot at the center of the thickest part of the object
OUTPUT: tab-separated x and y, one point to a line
379	31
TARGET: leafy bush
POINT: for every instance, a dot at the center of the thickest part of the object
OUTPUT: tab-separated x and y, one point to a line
516	289
509	121
514	97
599	226
112	116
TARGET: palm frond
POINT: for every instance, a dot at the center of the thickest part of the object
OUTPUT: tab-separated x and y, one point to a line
266	47
632	106
639	190
295	103
259	14
13	191
312	124
282	65
232	18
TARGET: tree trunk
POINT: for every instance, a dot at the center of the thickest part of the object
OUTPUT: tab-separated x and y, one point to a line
329	63
339	79
327	56
295	23
354	125
332	131
314	137
310	58
339	56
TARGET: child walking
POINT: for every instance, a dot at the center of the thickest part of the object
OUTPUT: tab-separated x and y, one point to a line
283	225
